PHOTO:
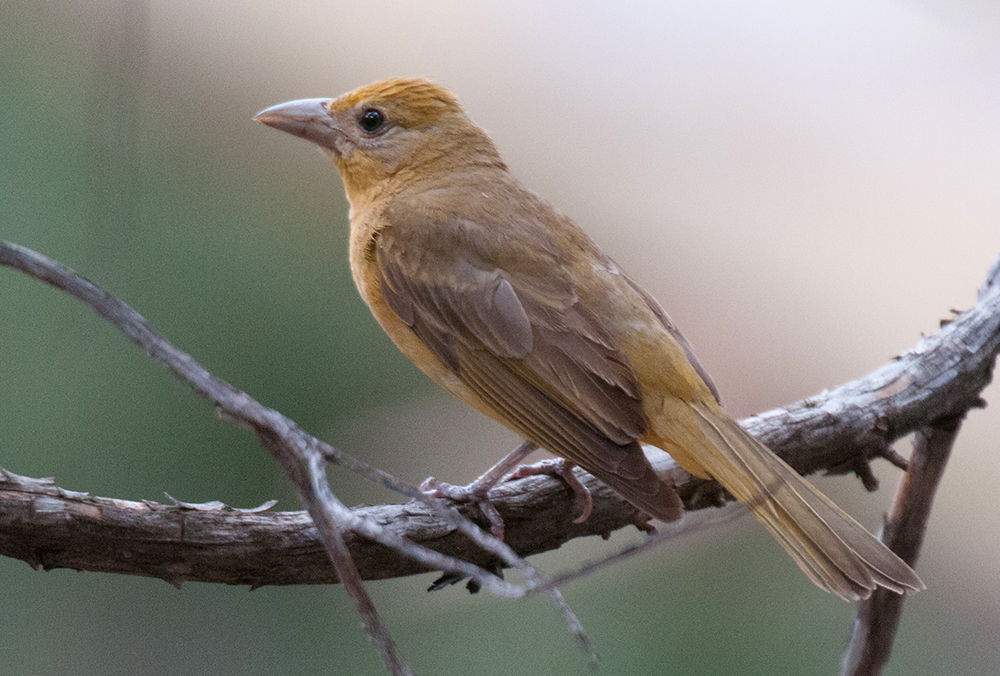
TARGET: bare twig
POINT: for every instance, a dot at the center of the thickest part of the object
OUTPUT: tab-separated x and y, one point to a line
668	532
298	453
303	459
878	616
328	513
288	444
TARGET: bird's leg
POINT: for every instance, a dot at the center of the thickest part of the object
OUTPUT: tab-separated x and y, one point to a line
476	491
562	468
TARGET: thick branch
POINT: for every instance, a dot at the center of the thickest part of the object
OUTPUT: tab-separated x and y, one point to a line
837	430
941	377
301	455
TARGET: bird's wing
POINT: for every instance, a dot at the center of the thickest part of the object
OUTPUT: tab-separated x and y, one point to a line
514	332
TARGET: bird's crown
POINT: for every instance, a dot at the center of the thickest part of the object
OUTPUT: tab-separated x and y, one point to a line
416	100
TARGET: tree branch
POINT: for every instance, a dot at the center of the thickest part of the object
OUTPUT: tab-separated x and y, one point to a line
878	616
303	458
941	377
838	430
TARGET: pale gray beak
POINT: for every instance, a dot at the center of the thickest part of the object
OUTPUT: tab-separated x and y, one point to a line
305	118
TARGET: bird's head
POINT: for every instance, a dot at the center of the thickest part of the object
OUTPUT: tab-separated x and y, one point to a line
401	127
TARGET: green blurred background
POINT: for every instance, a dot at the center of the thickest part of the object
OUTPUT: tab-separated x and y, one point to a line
805	189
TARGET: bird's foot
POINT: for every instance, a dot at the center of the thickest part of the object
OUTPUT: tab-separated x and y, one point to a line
475	492
583	501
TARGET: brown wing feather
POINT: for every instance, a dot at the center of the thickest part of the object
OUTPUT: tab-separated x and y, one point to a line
525	344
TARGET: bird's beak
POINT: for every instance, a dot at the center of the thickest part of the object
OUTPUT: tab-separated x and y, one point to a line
306	118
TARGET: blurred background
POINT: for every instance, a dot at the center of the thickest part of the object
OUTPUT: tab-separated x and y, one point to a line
806	187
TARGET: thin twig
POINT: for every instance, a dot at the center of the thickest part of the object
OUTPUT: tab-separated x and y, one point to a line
281	436
290	445
322	504
878	616
669	531
575	626
441	508
298	453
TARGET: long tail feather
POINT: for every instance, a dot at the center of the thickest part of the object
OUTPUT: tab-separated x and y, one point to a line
835	551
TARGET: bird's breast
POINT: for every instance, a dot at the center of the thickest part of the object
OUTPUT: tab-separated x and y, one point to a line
368	280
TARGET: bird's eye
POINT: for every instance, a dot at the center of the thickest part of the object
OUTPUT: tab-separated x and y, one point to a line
372	120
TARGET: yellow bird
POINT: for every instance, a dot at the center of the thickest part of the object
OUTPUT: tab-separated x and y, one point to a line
506	303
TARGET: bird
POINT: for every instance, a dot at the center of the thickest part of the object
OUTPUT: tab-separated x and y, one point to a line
505	302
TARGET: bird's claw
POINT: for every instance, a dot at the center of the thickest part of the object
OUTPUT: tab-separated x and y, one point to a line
582	499
475	493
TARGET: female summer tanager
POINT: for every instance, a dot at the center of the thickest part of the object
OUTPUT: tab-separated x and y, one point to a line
507	304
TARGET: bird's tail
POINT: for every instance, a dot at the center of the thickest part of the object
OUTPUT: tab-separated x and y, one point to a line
833	549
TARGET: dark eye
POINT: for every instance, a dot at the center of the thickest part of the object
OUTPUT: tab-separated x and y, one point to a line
372	120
